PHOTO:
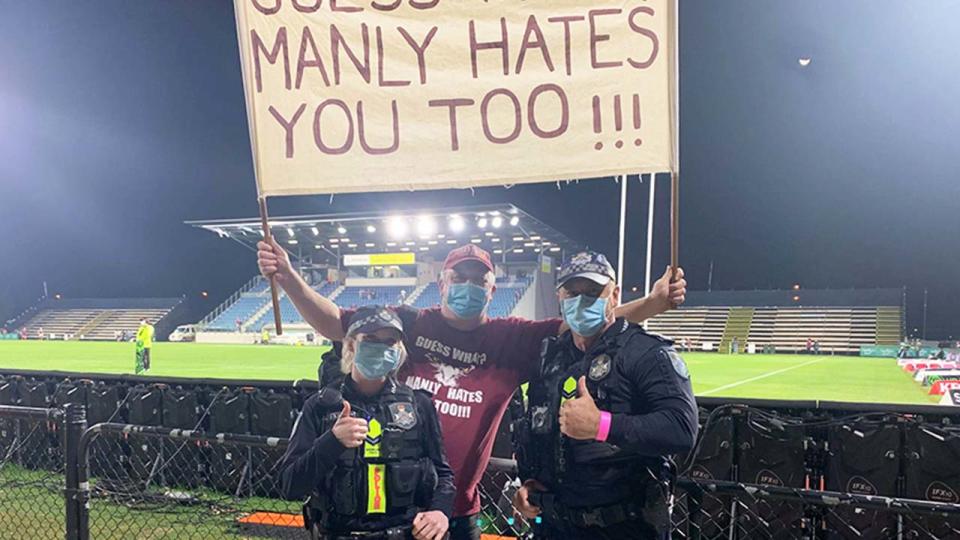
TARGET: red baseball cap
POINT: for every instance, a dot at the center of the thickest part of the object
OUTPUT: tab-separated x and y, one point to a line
469	252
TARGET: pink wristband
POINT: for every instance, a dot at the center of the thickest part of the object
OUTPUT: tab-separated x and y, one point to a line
604	429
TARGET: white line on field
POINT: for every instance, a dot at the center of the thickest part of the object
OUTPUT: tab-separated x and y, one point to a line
758	377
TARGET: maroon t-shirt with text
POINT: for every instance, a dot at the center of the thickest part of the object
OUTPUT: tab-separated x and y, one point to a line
471	376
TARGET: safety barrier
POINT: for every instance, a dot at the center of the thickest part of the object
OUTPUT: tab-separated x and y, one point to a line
206	467
154	482
32	467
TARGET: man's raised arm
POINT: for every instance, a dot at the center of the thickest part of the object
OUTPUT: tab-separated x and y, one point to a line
664	295
322	314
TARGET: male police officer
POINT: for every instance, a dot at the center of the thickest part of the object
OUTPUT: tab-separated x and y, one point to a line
369	447
611	403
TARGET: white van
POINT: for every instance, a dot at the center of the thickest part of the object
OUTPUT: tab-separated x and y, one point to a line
184	332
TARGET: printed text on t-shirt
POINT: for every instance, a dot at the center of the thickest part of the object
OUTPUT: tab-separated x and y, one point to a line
452	353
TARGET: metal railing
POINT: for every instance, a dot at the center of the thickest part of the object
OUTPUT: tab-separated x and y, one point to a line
156	482
210	317
60	479
33	500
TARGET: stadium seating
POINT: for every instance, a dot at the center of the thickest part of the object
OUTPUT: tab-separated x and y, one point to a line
95	320
259	286
352	297
698	324
244	307
252	306
509	292
288	312
121	320
837	329
60	322
429	297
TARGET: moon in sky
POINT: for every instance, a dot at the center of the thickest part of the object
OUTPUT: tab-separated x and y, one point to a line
804	61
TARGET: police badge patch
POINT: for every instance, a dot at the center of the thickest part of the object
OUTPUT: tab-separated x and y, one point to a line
599	367
580	258
403	415
678	364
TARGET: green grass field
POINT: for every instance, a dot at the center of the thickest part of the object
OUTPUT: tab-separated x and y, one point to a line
838	378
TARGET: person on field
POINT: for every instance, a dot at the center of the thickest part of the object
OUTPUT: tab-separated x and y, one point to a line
369	449
470	362
144	344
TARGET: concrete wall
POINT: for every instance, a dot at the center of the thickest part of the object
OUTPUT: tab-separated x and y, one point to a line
381	282
527	306
540	300
547	304
228	337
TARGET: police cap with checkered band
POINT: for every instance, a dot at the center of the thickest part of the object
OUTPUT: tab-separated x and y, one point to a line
589	265
369	319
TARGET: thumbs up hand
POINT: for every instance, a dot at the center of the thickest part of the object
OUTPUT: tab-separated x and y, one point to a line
580	417
582	391
348	430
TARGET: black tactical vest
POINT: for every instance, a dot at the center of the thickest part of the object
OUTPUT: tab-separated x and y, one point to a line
390	475
582	473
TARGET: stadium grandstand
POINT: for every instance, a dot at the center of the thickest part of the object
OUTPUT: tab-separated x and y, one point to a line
93	319
359	259
389	258
794	320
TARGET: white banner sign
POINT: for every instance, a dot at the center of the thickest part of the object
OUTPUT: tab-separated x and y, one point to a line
383	95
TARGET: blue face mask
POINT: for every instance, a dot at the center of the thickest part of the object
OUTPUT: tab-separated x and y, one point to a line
466	300
376	360
585	315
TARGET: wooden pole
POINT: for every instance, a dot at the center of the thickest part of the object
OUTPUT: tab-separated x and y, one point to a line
675	136
267	236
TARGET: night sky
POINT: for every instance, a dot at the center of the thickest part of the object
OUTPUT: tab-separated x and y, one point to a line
121	119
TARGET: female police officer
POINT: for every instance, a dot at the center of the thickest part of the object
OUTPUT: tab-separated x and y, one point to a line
369	448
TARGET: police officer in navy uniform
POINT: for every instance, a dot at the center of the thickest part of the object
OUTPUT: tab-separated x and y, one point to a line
610	405
367	448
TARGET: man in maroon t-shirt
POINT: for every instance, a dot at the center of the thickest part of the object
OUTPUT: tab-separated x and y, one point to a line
471	364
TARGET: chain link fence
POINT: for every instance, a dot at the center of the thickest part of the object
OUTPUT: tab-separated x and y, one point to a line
152	482
60	479
497	487
31	473
724	510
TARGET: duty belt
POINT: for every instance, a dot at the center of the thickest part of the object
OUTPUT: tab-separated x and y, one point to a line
393	533
599	516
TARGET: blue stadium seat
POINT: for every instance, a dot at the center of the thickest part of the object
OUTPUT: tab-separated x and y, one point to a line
351	296
504	301
288	312
260	286
429	297
509	292
245	306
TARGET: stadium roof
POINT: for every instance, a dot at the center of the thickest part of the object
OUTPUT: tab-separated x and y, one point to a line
509	233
